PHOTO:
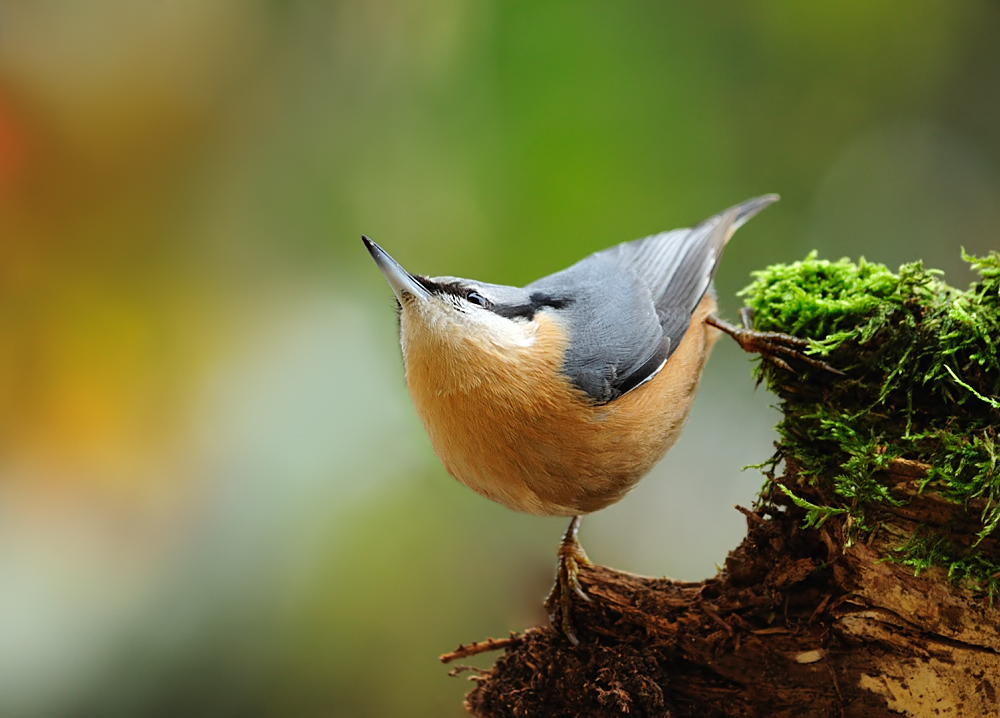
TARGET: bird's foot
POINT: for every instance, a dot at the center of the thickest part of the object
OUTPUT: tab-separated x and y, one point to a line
559	603
775	347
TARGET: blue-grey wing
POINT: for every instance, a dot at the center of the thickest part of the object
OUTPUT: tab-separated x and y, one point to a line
631	304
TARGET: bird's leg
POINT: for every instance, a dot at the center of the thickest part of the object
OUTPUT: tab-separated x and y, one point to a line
773	346
559	604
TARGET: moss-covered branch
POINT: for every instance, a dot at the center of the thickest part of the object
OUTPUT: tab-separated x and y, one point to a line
922	369
867	581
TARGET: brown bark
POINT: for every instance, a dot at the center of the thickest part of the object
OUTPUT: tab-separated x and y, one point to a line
796	625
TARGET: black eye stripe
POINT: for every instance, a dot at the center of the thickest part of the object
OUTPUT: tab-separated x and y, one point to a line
453	288
538	301
527	310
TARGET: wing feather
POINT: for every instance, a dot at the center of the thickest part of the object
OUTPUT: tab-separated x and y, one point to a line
632	303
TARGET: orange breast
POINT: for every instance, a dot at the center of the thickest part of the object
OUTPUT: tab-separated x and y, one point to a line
508	423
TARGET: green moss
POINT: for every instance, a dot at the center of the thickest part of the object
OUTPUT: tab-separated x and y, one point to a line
922	383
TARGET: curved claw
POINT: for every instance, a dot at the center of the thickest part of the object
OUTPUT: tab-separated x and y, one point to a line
559	603
771	344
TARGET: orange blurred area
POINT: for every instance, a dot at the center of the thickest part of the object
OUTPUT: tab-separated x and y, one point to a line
13	151
104	111
215	498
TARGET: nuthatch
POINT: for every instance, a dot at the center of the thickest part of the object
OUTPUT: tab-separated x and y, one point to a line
556	398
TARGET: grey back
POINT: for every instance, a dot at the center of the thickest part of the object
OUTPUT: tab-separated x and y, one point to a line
628	307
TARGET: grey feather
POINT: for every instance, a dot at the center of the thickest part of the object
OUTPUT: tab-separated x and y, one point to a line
632	303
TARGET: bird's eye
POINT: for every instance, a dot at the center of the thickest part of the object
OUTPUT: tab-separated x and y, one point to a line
477	298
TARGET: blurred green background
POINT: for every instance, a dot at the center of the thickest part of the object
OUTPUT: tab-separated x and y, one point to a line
215	498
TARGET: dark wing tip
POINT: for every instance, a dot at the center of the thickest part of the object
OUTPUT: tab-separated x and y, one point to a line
745	211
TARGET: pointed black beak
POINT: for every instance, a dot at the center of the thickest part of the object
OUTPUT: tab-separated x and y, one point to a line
401	281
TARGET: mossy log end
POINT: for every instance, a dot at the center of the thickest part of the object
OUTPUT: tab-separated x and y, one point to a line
794	626
867	583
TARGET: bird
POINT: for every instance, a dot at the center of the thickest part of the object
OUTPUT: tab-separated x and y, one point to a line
556	398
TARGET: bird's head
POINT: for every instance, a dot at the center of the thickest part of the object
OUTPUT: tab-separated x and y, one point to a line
461	330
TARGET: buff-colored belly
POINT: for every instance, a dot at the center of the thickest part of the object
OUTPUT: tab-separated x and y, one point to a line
531	441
